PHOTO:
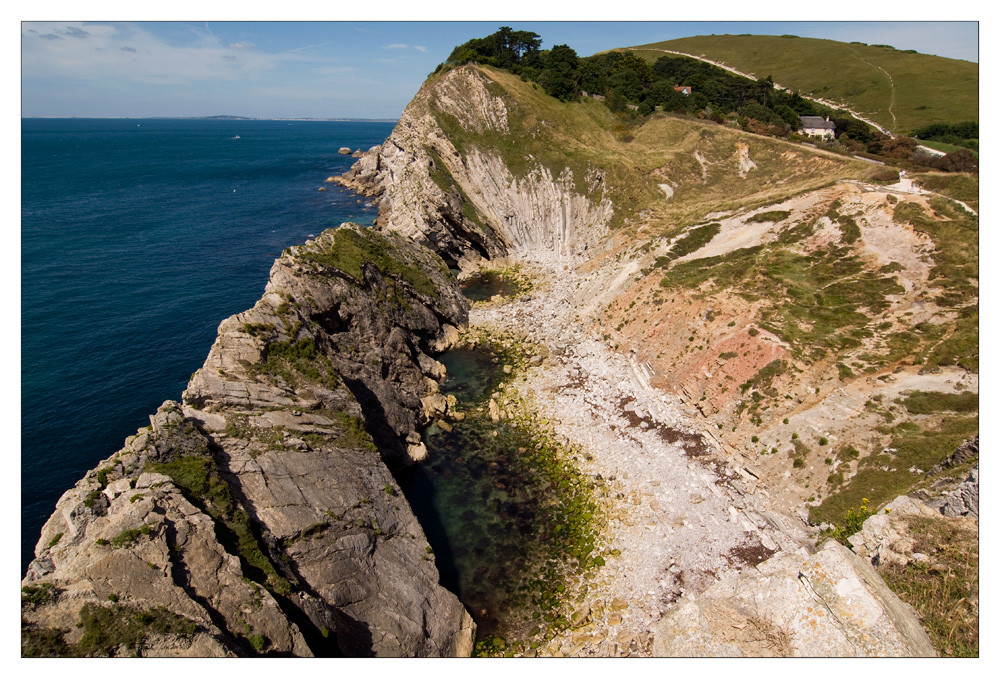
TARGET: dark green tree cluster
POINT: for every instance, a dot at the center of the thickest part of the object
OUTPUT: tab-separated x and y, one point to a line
518	52
558	76
625	80
629	84
508	49
961	134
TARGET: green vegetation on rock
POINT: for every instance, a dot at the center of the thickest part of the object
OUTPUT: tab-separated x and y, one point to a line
201	483
887	473
114	630
110	630
352	251
819	300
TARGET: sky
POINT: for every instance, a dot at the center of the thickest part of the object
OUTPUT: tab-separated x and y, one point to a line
336	69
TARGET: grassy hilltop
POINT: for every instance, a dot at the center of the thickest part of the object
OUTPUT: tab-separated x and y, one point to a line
901	90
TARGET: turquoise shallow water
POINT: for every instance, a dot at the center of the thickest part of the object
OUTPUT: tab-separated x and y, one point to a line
138	237
479	499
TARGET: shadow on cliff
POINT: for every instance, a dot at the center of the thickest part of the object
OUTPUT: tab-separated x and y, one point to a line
377	425
326	630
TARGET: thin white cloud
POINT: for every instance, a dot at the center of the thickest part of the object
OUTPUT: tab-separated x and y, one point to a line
307	47
404	46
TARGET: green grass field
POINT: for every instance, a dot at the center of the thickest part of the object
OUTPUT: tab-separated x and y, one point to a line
900	90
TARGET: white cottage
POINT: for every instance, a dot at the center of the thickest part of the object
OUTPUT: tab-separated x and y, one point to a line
818	126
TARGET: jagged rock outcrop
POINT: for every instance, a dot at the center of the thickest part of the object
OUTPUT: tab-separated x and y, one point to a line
952	492
261	516
830	603
964	500
969	450
442	179
886	537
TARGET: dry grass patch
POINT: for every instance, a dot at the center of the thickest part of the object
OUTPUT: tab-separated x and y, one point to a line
945	588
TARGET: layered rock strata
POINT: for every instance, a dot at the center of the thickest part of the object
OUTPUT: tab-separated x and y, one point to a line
462	199
260	516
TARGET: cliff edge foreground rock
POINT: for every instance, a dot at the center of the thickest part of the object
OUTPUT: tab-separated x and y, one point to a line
260	516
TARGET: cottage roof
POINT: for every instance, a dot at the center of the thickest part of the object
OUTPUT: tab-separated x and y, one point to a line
817	123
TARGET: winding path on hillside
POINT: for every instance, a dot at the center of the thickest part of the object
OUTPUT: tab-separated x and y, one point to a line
824	102
892	86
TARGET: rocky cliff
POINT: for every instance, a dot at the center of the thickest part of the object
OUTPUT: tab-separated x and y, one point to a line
260	515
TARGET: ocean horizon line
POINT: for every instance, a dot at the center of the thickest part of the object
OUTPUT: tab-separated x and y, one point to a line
218	117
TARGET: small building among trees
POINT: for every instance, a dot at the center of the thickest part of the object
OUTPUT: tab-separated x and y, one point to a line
818	126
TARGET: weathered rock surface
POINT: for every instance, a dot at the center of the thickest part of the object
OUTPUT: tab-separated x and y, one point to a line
885	537
889	537
964	500
969	450
830	603
262	511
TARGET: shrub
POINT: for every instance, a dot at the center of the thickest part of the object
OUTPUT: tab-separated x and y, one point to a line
258	641
772	216
929	402
854	519
36	594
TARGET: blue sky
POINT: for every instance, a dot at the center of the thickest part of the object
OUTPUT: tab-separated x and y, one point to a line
333	69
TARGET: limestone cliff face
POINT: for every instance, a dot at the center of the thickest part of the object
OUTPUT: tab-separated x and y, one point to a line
260	515
445	177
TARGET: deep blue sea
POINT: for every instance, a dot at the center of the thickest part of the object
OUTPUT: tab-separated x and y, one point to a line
138	237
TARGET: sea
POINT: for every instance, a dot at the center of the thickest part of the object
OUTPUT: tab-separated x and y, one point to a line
138	237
